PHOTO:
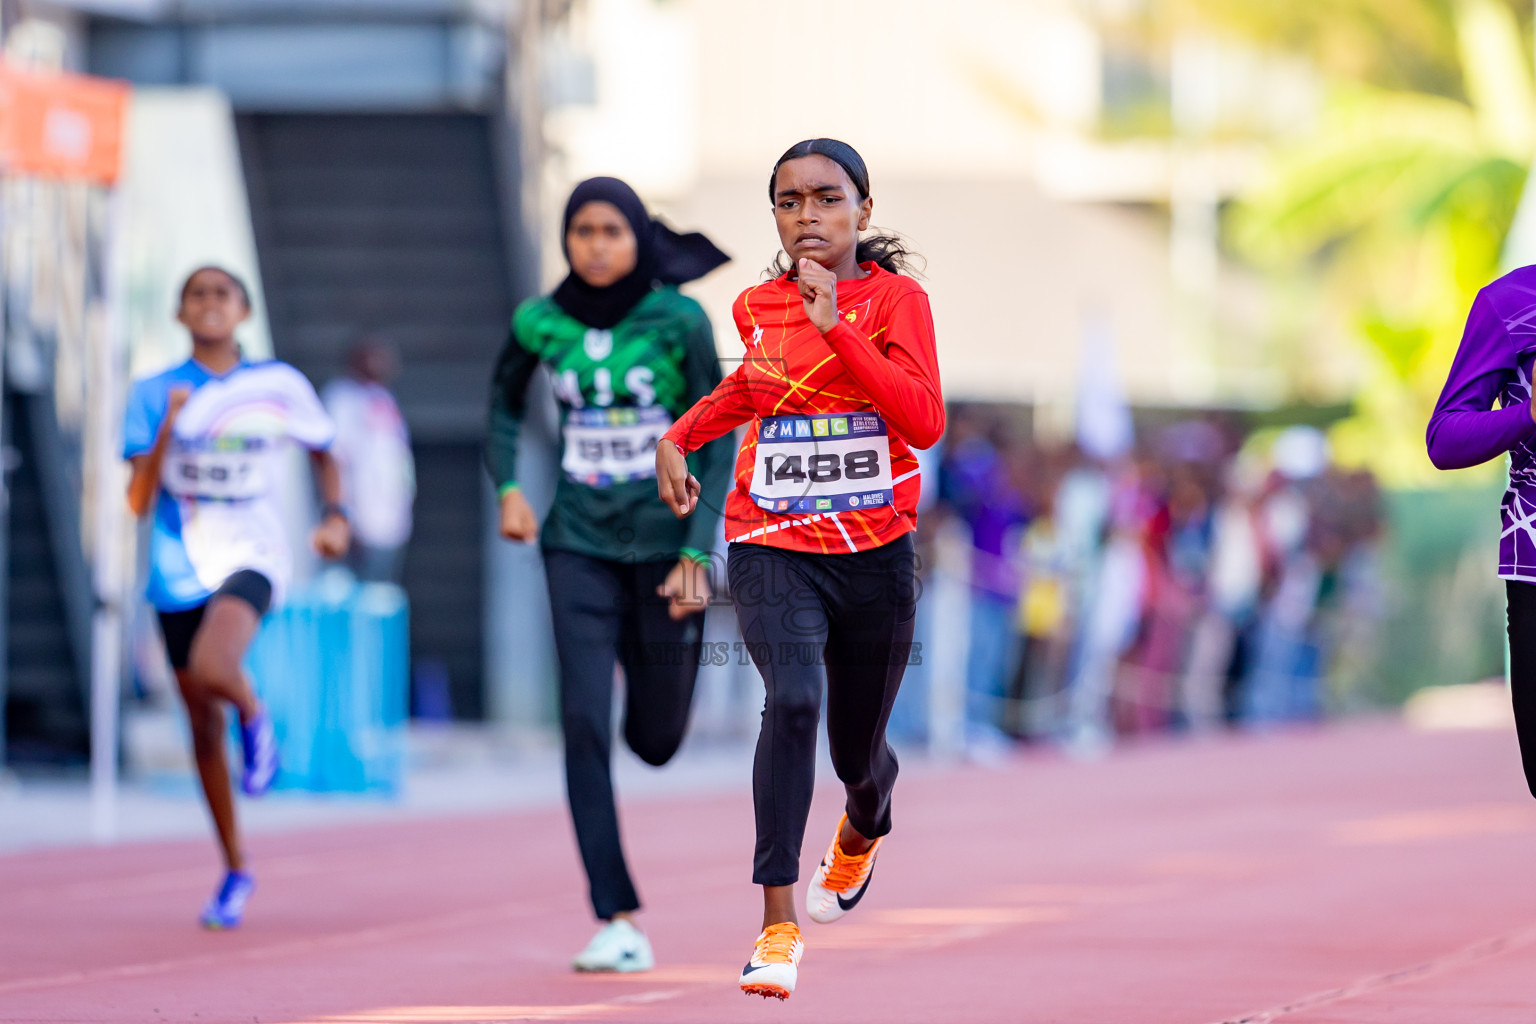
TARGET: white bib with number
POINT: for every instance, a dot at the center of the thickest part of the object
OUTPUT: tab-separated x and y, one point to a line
613	446
826	462
218	469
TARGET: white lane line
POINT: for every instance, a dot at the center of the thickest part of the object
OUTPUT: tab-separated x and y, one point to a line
1472	954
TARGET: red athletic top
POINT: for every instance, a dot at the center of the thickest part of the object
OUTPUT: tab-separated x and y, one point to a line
880	357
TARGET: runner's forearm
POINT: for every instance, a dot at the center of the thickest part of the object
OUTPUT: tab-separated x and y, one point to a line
1465	428
327	477
722	410
903	381
145	479
514	369
712	463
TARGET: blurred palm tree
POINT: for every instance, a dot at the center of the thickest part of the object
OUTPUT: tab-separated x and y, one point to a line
1397	199
1403	194
1406	45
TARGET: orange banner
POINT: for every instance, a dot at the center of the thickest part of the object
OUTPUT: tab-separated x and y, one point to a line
61	126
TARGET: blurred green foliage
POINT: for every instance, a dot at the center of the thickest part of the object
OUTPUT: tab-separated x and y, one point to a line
1443	608
1401	45
1401	196
1390	207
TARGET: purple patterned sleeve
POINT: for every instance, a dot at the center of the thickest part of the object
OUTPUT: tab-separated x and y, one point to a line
1466	429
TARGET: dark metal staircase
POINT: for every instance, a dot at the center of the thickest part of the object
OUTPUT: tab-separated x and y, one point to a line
393	223
46	716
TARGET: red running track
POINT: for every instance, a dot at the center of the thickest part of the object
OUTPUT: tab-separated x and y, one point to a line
1362	873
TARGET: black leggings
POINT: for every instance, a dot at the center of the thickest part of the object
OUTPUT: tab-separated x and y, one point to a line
844	618
605	611
1522	670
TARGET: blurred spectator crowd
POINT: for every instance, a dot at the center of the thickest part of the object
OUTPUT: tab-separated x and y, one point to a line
1207	577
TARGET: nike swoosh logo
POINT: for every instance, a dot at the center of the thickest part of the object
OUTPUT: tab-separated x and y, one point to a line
749	968
848	905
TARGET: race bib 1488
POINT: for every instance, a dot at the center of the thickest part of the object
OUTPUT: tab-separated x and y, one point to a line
828	462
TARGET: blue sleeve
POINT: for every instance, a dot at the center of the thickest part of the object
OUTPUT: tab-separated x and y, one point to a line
141	423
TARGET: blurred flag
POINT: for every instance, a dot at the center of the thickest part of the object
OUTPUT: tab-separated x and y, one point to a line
61	126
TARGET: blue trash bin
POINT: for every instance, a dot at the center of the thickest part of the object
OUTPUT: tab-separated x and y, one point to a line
332	666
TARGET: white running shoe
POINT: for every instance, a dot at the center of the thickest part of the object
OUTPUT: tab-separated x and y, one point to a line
617	946
840	880
775	962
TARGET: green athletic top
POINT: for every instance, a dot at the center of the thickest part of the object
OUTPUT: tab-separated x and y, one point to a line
618	390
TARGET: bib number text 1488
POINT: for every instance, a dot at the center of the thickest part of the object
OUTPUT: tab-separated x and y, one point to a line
823	468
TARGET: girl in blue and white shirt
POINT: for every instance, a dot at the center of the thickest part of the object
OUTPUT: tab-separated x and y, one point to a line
205	441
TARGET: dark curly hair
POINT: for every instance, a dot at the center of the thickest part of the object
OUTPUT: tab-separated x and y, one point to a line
886	249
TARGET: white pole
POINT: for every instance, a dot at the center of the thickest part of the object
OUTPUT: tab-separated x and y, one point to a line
1194	231
106	525
951	639
105	633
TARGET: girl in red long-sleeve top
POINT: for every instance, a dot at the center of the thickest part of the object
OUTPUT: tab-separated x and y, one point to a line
839	382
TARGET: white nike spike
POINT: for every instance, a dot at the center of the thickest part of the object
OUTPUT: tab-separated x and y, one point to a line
840	881
619	947
775	963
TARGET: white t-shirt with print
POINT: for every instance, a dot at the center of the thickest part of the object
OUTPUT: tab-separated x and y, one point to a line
219	509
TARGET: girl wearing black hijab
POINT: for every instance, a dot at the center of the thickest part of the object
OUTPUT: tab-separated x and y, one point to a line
628	581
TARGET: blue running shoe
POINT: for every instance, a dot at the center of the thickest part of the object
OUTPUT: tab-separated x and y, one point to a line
227	907
260	746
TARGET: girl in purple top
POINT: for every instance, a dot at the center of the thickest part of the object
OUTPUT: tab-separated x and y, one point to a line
1494	364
